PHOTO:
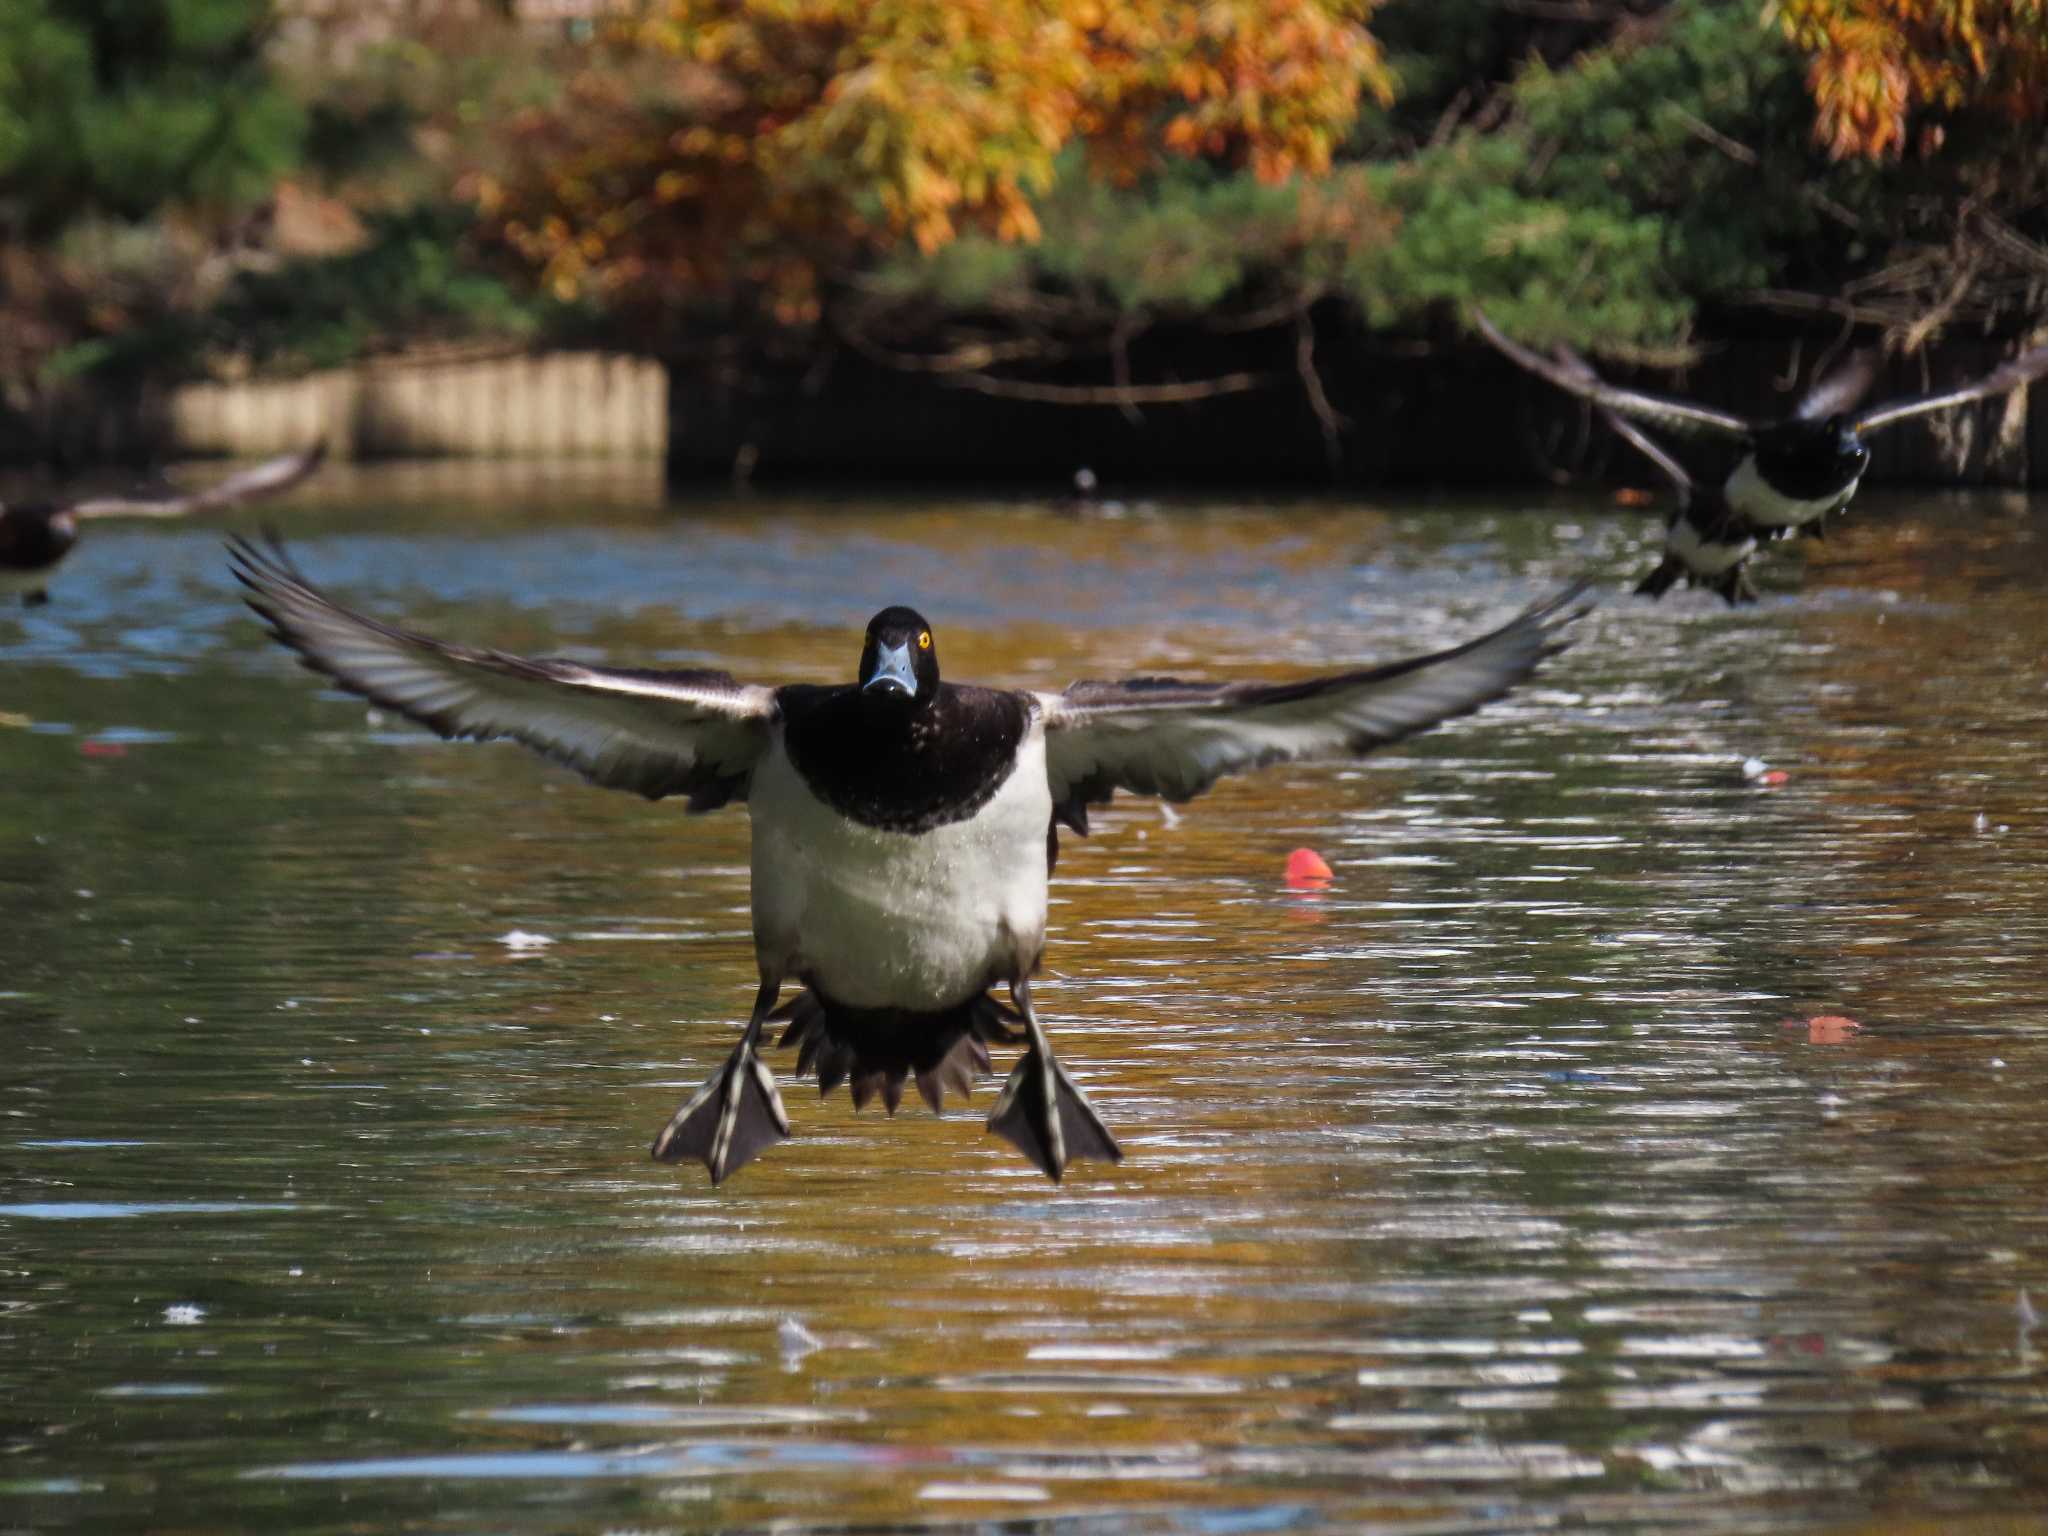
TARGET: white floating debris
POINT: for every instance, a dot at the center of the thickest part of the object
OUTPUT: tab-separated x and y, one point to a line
1754	768
184	1314
520	941
796	1341
1008	1493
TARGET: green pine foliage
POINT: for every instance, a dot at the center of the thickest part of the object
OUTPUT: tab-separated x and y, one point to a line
412	282
115	108
1669	169
1191	241
1604	201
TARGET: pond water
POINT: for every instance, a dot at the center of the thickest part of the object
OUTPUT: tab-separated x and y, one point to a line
1508	1184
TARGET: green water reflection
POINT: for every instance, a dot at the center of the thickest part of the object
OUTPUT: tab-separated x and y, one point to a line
1486	1190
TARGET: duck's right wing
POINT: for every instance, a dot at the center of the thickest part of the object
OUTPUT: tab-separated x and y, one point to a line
694	733
1839	391
1666	411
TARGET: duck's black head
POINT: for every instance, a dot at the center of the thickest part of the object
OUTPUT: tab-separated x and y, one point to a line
900	661
1812	459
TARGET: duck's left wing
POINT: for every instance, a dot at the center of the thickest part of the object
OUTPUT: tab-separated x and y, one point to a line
694	733
1673	471
2024	369
269	478
1162	736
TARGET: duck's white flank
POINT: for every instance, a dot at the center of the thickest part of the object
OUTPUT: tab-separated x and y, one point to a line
1751	495
1704	557
881	919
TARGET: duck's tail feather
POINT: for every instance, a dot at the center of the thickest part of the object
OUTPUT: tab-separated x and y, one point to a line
875	1051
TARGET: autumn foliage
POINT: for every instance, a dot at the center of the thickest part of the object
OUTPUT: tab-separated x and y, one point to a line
1875	64
744	147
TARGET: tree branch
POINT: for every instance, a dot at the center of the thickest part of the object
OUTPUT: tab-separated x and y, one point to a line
1110	394
1312	385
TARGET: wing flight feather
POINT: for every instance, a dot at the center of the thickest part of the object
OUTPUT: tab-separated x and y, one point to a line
269	478
2023	369
1665	410
694	733
1166	737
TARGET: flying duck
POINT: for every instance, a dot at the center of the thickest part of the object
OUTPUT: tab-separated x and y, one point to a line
904	827
35	536
1795	469
1706	542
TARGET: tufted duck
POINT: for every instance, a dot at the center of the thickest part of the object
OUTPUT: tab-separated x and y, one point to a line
903	827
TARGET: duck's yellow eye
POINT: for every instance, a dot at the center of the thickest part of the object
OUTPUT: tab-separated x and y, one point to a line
924	639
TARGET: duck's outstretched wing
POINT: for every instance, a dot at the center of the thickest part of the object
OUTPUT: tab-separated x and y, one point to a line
693	733
1665	410
259	480
1676	473
2024	369
1840	388
1162	736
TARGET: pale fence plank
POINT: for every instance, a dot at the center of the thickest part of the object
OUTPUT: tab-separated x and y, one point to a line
551	405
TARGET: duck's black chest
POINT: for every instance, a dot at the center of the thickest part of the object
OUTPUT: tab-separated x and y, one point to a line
883	764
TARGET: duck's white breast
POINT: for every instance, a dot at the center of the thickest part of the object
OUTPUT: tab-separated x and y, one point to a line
1751	495
882	919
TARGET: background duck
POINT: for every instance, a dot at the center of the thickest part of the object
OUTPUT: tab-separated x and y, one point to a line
36	536
1706	542
1794	469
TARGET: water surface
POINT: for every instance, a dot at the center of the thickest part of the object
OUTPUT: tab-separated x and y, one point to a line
1504	1185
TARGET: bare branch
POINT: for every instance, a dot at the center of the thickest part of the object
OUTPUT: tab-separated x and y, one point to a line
1111	394
1120	364
1914	336
1791	301
1742	154
1566	10
2010	243
1312	385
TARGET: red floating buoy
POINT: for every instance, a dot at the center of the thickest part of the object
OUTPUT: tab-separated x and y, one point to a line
1307	871
1825	1028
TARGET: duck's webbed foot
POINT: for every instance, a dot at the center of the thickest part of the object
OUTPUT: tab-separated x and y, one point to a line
735	1116
1042	1113
1735	585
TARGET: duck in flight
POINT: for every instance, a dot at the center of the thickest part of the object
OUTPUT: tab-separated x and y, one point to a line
1795	469
35	536
1706	542
904	827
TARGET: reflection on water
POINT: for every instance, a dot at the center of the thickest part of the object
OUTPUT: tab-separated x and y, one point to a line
1484	1190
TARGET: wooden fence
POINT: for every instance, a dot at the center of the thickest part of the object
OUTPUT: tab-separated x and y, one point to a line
554	405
